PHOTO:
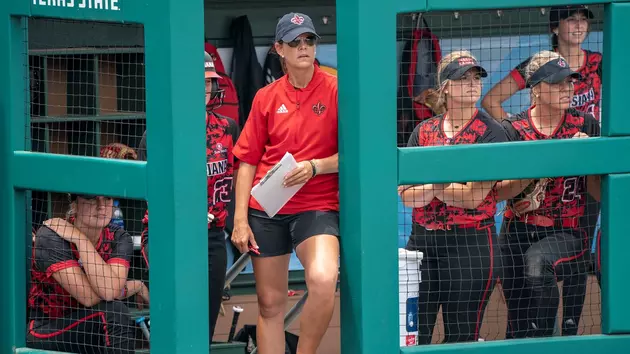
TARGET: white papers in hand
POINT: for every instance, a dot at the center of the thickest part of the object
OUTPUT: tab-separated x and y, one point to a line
269	192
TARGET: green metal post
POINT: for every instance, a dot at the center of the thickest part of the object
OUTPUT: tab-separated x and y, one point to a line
177	177
12	209
369	303
175	186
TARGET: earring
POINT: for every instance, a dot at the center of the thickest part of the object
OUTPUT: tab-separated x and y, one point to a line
445	91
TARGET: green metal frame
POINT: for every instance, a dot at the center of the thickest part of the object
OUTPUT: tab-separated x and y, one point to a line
173	180
370	161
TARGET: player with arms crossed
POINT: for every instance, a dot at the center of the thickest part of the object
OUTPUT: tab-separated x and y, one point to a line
541	239
297	114
453	223
79	277
221	135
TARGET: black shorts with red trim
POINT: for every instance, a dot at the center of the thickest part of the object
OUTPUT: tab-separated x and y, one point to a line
104	328
459	268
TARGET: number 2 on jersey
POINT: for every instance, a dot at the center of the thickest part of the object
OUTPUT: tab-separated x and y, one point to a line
573	188
222	188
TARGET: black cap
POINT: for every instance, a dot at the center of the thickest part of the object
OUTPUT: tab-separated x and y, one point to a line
552	72
211	71
558	13
72	196
293	25
458	67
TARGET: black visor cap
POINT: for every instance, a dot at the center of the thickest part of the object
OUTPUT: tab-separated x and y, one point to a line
552	72
459	67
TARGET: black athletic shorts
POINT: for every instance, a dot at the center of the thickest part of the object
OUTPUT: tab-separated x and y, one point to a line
281	234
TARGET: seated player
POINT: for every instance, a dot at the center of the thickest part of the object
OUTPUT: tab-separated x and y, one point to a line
453	223
79	277
541	239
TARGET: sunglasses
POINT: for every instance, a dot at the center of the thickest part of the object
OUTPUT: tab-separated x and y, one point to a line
309	41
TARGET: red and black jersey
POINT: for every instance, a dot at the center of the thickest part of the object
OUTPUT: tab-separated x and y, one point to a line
564	196
587	91
221	135
51	254
480	129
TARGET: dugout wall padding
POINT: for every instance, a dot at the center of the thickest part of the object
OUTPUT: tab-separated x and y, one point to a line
369	307
173	180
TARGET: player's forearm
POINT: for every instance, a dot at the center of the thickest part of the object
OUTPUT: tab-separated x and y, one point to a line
493	106
133	287
594	187
102	278
419	196
246	173
467	196
511	188
327	165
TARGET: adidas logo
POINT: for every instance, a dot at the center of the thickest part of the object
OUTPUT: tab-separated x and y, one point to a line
282	109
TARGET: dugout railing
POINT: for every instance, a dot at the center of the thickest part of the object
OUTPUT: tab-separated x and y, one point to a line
367	79
369	162
173	31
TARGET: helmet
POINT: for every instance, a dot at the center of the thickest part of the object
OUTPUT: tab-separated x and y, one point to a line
216	93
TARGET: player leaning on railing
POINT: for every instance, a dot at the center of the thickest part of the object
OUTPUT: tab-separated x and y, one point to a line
79	275
569	26
453	223
298	114
541	238
221	135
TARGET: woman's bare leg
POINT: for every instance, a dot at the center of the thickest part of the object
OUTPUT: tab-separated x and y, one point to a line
272	278
319	255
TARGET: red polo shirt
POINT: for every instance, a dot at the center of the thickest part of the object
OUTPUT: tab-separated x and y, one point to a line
302	122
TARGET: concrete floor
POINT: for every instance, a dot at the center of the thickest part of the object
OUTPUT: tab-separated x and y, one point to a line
493	327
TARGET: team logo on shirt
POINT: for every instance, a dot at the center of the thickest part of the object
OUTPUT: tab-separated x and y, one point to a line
319	108
297	19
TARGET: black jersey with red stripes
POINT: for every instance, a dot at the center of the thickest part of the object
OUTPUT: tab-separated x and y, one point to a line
221	135
564	196
480	129
587	91
51	254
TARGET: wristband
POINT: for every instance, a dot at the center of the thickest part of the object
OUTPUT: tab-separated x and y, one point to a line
314	168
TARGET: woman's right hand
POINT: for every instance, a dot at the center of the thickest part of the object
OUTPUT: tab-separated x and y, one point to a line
242	236
65	230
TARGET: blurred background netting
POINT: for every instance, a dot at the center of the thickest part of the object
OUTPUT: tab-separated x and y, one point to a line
87	98
501	41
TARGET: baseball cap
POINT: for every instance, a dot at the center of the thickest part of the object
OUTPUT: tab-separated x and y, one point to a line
458	67
552	72
558	13
211	71
293	25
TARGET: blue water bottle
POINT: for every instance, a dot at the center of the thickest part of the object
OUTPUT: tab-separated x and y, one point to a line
117	216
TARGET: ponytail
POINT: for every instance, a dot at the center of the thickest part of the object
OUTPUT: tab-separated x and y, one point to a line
434	99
